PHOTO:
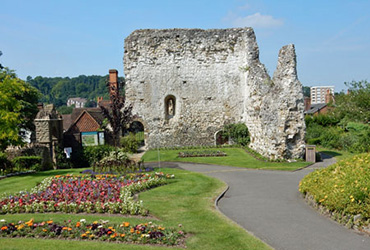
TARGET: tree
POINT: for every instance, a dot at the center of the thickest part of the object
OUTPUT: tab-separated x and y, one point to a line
355	105
306	91
1	66
18	107
65	110
119	115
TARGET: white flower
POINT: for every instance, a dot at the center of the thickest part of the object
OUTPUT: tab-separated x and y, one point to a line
2	220
82	220
101	226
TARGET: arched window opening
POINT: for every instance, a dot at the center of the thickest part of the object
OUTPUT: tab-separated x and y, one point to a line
170	106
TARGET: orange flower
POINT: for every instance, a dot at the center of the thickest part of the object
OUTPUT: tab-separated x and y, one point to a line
44	230
126	224
29	223
78	224
83	235
4	228
49	222
114	236
138	232
132	230
122	235
69	229
109	232
64	228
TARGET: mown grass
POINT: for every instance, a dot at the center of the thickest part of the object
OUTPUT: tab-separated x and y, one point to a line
236	157
188	199
343	187
339	155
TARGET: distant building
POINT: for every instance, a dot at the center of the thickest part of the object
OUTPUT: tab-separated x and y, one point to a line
321	94
77	101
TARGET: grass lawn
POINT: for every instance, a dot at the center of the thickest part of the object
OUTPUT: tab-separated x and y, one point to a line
188	200
236	157
339	155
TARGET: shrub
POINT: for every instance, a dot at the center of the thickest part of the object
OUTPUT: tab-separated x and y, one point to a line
27	163
343	187
5	164
96	153
129	143
238	132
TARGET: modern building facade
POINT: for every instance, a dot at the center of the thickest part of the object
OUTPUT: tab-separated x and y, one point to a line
319	94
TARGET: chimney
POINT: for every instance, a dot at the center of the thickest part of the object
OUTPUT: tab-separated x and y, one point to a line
40	106
113	81
307	103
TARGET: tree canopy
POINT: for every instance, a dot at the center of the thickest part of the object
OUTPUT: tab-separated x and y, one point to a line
354	105
18	107
57	90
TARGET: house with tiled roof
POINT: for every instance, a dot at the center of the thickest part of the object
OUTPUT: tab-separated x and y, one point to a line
85	129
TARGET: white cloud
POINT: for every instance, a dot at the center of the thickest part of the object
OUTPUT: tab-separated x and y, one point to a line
257	20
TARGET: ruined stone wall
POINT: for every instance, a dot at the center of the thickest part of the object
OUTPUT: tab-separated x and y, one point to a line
186	84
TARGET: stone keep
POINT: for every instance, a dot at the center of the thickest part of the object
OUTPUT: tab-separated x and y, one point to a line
186	84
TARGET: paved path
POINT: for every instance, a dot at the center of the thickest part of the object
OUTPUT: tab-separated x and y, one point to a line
269	205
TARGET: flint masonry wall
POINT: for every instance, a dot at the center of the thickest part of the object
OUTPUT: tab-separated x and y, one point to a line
186	84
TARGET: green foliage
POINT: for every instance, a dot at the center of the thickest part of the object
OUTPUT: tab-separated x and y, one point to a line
64	110
117	161
96	153
62	161
322	119
5	164
88	156
306	91
354	137
18	107
129	143
57	90
354	106
238	132
343	187
27	163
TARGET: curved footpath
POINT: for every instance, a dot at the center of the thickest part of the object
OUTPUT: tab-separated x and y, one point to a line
269	205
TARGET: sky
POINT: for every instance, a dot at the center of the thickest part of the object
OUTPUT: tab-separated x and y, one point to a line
86	37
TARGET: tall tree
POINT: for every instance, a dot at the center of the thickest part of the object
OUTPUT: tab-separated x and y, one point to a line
119	114
355	105
18	107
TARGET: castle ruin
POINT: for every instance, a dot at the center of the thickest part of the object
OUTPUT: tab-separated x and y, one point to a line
186	84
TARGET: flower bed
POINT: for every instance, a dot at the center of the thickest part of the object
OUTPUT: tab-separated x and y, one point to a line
91	194
202	153
342	190
145	233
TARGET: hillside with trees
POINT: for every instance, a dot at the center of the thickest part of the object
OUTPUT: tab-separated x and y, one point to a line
57	90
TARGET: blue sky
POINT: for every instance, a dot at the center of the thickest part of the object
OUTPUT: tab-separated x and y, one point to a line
71	38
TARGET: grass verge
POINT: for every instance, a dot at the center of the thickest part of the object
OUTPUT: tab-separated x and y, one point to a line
188	200
236	157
